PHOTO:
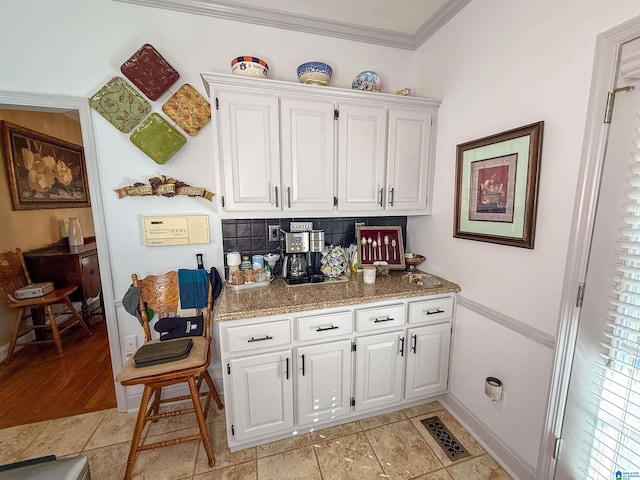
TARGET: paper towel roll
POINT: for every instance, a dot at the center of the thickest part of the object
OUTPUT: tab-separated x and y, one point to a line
493	389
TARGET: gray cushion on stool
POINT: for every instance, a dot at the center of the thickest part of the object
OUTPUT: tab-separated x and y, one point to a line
72	468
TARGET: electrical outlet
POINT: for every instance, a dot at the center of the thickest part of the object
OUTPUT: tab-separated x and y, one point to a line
274	233
130	344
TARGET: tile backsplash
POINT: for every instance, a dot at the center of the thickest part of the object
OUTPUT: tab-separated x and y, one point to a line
251	237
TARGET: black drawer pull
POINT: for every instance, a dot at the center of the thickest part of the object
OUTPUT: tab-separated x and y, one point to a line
402	346
324	329
384	319
266	337
414	342
433	312
287	368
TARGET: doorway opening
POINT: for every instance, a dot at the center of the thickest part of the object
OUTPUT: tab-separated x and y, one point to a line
88	366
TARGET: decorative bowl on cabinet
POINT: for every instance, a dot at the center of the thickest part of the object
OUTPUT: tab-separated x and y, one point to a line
316	73
367	80
250	67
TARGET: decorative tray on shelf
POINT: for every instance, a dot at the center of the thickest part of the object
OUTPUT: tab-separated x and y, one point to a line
423	279
381	244
249	286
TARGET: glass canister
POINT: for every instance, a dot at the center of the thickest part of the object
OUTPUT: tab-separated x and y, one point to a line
249	276
237	277
261	275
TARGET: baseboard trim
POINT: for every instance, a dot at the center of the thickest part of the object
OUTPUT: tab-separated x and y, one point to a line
515	465
4	349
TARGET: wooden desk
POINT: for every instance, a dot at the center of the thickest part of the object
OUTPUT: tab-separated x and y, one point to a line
61	266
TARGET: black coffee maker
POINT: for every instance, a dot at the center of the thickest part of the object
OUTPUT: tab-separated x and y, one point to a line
294	264
316	245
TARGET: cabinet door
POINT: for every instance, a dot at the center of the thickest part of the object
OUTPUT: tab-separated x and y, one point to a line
324	381
361	157
262	389
308	139
250	149
427	360
408	162
91	286
379	362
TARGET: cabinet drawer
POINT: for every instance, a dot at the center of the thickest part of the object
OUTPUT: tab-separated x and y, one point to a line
260	335
430	310
380	317
324	326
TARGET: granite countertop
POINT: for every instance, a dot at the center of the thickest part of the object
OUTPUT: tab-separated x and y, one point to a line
278	298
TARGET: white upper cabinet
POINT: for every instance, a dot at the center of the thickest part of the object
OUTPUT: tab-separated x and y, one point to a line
408	168
307	128
284	148
249	151
362	144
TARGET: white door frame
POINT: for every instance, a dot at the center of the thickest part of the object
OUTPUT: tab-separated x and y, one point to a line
605	70
46	102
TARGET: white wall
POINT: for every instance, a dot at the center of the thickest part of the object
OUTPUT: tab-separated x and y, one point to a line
498	65
72	47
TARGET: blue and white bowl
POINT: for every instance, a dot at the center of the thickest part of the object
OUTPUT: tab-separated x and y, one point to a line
316	73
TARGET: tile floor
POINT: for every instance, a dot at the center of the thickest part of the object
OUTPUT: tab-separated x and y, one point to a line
391	446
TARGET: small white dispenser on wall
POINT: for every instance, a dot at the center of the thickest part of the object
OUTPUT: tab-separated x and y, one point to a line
175	230
493	389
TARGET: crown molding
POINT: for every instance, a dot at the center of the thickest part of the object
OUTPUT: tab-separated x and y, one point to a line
306	24
442	16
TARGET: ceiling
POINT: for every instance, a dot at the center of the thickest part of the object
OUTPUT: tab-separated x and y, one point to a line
405	24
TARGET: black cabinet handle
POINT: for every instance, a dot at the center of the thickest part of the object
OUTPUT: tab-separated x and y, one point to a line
266	337
289	197
391	197
433	312
402	346
303	365
414	342
276	189
324	329
287	368
383	319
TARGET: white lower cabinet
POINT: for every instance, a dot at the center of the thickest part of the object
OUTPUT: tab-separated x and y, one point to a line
324	381
379	366
427	360
286	376
262	389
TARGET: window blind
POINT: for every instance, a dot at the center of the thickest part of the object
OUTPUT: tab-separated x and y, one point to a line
612	441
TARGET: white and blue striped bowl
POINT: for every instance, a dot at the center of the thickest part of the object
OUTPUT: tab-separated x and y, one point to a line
317	73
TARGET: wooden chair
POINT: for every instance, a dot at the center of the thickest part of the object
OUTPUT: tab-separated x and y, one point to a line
161	294
14	275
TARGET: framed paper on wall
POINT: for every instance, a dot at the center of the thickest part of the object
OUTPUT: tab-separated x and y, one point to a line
43	172
497	187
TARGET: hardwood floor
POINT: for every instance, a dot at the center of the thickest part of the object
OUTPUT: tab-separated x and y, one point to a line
37	385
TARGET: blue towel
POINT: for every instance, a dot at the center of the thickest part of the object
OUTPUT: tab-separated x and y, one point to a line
194	288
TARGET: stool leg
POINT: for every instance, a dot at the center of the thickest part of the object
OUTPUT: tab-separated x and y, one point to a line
14	335
155	404
137	433
54	329
212	389
77	316
202	425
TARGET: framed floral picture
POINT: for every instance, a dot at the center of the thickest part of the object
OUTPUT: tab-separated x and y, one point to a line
497	187
43	172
